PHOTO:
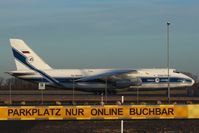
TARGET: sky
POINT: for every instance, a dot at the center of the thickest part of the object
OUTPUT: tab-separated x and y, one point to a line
102	33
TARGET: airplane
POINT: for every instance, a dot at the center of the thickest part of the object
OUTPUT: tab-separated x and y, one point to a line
31	67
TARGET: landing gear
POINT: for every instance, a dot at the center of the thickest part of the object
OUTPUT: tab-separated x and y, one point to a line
111	92
98	93
103	92
190	92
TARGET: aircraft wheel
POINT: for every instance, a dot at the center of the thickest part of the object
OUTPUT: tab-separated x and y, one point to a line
190	92
111	92
98	93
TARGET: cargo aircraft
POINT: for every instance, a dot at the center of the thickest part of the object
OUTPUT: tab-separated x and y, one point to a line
31	67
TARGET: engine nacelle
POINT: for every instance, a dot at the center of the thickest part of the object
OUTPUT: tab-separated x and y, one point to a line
125	83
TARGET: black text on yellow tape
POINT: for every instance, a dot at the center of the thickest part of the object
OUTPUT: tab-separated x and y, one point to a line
95	112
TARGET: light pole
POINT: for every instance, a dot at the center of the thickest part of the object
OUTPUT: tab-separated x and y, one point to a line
10	93
73	89
106	87
137	95
102	99
168	61
122	121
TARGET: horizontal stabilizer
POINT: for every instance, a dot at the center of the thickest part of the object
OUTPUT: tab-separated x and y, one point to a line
18	73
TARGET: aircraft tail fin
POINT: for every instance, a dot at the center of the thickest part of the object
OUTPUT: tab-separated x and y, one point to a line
25	57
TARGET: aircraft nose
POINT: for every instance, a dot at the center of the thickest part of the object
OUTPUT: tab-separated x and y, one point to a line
193	81
190	80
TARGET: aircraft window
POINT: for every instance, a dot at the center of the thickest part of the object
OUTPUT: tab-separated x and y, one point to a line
188	80
176	71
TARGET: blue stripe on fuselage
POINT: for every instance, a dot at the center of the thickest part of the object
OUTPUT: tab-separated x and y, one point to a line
163	80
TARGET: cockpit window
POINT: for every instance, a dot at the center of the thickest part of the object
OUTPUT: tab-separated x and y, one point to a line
176	71
188	80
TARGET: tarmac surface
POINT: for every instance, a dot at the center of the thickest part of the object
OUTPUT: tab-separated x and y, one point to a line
62	97
108	126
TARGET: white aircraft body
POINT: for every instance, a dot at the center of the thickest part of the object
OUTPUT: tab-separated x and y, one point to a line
32	68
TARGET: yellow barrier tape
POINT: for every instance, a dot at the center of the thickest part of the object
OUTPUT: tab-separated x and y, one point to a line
193	111
99	112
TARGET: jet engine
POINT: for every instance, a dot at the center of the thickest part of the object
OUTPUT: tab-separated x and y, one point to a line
125	83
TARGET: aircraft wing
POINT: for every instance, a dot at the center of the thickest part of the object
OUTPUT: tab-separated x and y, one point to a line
107	74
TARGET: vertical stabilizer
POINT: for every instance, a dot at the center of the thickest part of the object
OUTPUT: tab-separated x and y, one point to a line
26	57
